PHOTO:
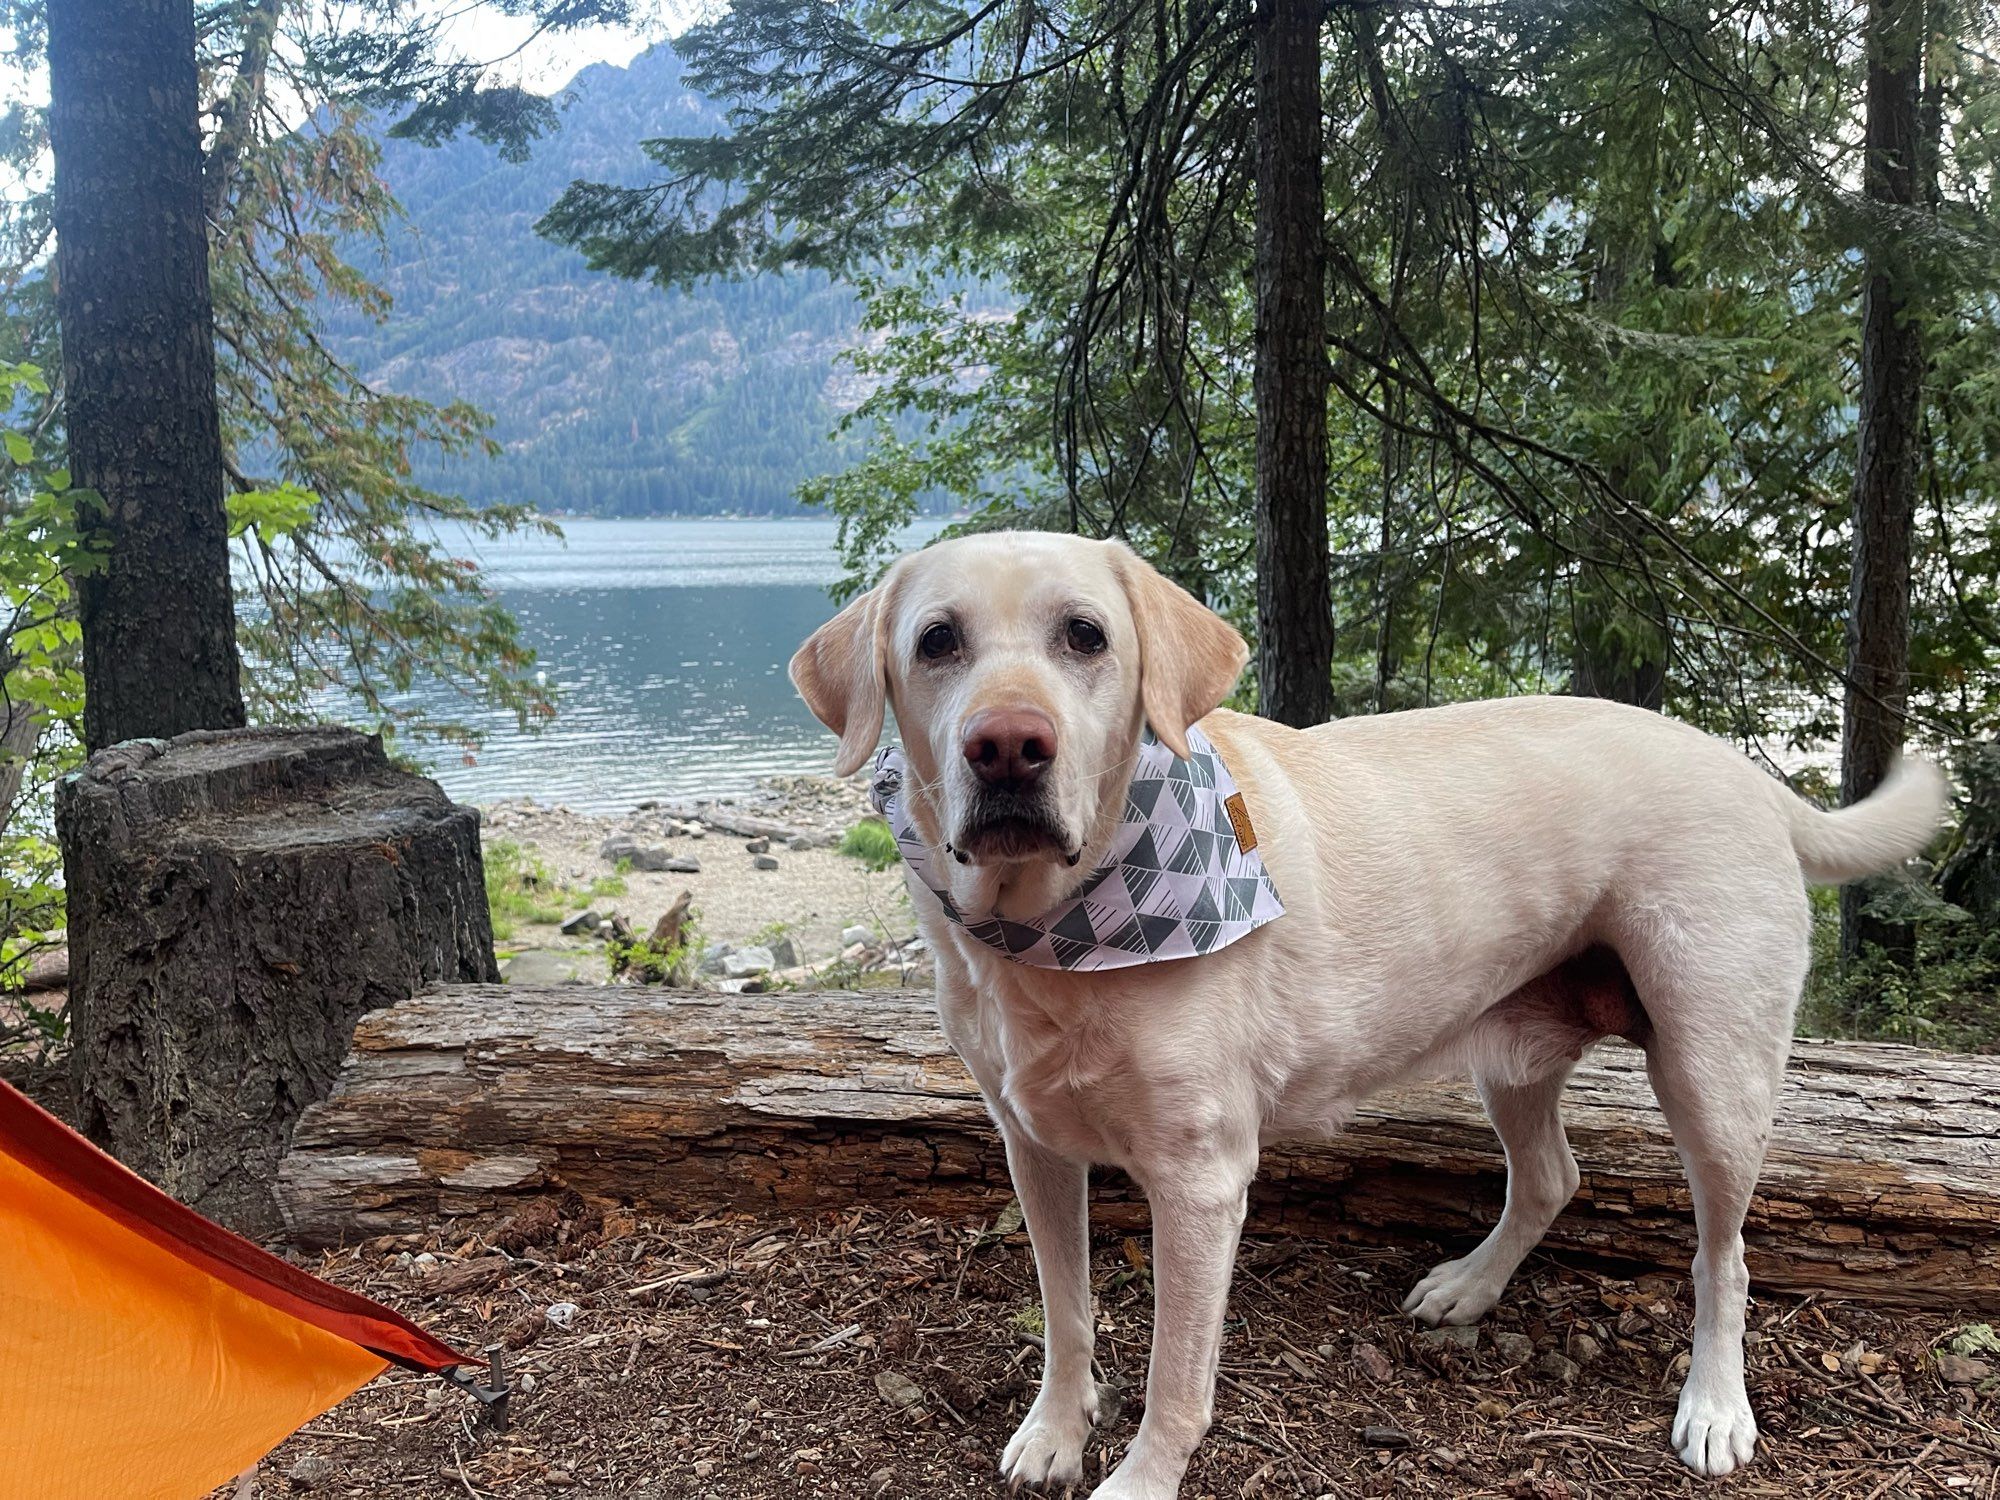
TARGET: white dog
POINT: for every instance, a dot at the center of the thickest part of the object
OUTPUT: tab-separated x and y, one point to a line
1440	873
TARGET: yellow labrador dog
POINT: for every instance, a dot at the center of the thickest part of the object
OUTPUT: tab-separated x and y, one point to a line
1440	871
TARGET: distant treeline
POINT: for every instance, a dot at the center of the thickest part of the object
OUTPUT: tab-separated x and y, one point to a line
742	450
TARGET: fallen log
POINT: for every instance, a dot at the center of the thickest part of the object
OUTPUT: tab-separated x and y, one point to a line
1882	1183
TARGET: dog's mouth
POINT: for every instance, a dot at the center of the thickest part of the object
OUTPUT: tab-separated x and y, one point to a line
1011	828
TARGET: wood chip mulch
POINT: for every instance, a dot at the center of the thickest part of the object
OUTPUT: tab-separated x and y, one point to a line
884	1355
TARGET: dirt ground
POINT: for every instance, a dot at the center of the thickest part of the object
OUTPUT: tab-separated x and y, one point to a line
883	1355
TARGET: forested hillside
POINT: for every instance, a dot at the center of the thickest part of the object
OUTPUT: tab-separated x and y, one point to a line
607	397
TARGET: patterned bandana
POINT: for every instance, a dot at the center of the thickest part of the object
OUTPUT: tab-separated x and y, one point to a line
1182	876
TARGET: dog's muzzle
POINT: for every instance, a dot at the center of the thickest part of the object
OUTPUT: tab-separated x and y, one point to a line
1007	824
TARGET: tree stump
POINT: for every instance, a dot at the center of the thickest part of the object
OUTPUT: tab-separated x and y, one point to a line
237	900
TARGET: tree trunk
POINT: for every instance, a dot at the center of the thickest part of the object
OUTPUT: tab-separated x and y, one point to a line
237	900
1883	1180
1885	470
1601	667
1294	594
1603	660
20	733
132	295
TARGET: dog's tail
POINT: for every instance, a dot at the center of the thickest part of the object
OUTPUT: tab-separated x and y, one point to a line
1892	823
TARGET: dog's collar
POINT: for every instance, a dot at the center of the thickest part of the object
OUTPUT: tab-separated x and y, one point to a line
1181	878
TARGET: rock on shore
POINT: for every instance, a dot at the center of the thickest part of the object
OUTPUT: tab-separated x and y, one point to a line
764	872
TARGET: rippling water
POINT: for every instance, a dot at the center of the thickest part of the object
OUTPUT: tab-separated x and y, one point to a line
666	641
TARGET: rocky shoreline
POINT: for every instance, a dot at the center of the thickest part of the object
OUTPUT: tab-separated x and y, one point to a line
769	899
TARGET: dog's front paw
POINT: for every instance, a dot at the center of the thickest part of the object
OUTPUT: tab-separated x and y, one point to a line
1459	1291
1714	1432
1138	1480
1047	1448
1117	1487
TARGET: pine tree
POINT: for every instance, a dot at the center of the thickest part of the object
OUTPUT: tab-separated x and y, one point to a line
1294	596
1889	438
132	292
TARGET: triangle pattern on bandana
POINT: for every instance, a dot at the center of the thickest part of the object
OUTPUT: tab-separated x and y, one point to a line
1076	926
1174	882
1142	796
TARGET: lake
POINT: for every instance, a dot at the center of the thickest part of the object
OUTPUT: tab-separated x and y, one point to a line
666	641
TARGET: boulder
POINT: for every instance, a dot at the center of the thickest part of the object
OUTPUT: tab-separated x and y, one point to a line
764	861
747	962
660	861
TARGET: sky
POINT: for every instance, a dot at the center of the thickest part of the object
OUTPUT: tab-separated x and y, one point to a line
475	31
551	61
481	31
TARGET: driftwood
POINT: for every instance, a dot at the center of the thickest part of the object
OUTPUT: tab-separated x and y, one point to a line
1883	1180
719	817
236	899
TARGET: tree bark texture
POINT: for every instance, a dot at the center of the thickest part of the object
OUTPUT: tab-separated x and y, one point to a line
237	900
1883	1180
1294	593
1886	463
20	733
132	295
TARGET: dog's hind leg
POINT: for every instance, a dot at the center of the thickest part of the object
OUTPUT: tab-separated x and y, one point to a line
1541	1178
1718	1090
1521	1053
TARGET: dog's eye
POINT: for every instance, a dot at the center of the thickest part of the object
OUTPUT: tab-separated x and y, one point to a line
1085	638
939	640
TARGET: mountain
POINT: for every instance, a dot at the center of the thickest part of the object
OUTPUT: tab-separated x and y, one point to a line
609	397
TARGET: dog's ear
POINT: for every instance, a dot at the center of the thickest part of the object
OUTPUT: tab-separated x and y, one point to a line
1189	656
841	672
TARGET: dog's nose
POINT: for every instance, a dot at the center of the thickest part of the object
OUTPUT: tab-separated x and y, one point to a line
1010	747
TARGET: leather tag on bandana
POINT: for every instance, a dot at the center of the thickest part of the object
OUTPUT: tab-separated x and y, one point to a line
1239	819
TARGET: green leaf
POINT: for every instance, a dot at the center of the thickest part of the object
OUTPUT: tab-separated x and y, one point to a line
274	512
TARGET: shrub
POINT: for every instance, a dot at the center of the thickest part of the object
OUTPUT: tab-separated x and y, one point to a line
1945	990
638	960
871	842
519	888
